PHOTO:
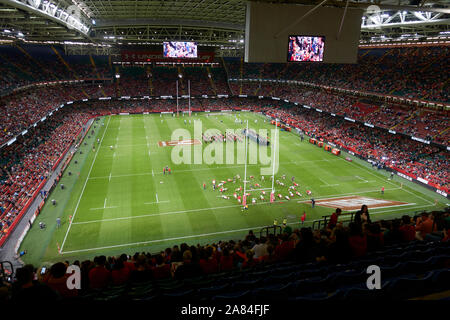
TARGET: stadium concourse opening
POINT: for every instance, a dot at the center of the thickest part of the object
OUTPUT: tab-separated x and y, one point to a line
147	163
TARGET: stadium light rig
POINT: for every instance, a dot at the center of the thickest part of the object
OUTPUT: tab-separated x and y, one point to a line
49	9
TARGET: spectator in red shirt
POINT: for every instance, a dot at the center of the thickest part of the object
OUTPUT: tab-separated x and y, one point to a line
226	260
407	230
357	241
99	276
270	256
250	262
375	238
207	262
128	264
334	218
284	250
161	270
120	273
424	226
142	273
57	280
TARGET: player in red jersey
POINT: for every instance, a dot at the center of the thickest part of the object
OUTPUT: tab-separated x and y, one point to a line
303	218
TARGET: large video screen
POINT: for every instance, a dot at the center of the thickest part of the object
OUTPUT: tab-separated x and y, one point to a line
306	48
180	49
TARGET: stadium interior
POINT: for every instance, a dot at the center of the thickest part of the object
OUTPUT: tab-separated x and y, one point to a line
79	77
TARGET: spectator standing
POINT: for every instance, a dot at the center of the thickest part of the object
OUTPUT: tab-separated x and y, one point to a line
334	218
99	276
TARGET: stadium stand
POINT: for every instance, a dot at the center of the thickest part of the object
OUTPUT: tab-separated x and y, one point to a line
411	72
301	264
21	172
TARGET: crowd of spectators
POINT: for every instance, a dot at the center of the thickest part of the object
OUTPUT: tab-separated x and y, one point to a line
22	109
419	69
26	163
422	123
29	160
24	66
336	243
413	72
395	151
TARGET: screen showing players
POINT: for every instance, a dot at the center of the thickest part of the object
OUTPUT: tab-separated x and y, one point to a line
306	48
180	49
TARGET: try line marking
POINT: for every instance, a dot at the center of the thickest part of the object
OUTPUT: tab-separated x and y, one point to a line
170	239
205	209
193	236
388	181
104	207
200	169
84	187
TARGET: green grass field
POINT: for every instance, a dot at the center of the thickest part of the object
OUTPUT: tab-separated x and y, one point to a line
121	201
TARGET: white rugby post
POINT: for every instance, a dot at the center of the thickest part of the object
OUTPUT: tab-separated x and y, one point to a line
189	93
245	165
274	154
177	98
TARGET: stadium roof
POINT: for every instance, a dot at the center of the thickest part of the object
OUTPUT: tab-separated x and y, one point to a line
218	23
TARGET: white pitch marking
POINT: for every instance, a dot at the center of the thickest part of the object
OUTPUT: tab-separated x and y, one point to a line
171	239
429	202
128	145
348	194
84	187
262	189
194	170
326	183
165	201
103	208
388	181
364	180
153	173
198	235
110	177
169	213
191	236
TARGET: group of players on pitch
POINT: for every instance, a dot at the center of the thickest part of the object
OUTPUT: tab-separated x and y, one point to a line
255	187
222	138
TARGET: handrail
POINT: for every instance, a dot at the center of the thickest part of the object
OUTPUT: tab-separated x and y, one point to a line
3	270
268	229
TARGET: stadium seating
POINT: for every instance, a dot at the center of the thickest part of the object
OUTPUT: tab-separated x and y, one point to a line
406	72
422	269
411	72
21	173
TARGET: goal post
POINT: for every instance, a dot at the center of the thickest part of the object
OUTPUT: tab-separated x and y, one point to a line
275	146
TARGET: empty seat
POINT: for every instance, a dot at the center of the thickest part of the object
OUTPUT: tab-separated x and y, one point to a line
244	294
317	284
179	293
441	279
405	288
319	296
345	279
273	292
244	285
